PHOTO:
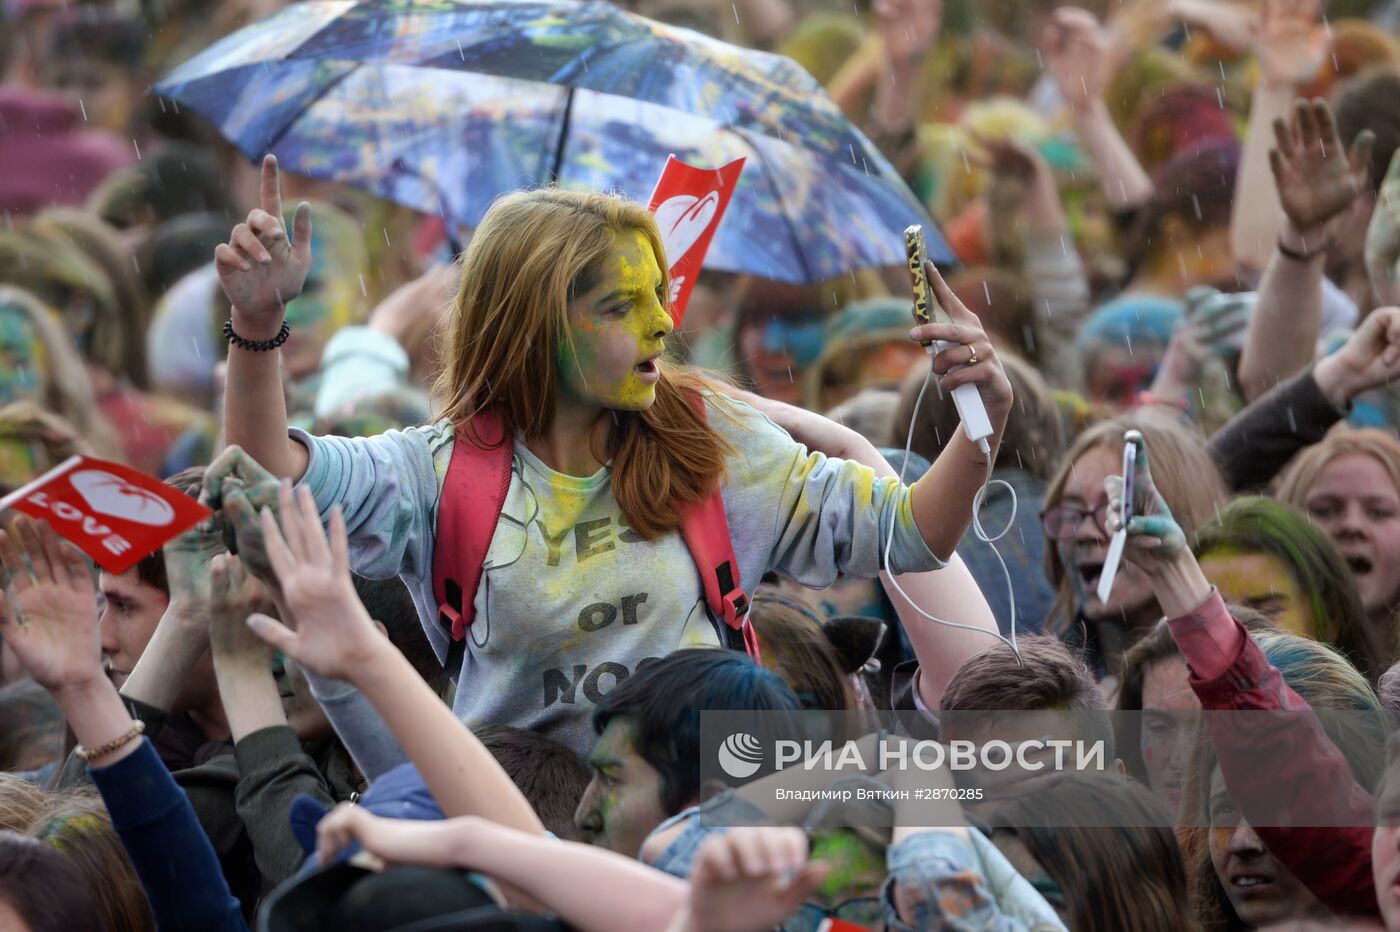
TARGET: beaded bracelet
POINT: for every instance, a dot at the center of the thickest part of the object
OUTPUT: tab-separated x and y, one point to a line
257	346
137	729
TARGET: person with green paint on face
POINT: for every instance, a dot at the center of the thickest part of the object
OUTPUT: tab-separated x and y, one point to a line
39	366
559	330
646	760
1266	555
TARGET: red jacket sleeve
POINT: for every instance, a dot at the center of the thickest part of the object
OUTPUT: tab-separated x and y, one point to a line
1276	759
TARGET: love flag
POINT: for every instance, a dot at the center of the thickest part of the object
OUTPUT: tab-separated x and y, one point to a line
688	203
113	513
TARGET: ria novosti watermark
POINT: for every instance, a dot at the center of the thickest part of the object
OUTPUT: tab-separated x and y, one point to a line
741	755
1135	769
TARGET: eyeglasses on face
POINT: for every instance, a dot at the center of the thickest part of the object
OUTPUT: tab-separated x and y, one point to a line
1062	522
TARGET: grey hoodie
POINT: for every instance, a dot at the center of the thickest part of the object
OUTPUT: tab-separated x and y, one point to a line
571	600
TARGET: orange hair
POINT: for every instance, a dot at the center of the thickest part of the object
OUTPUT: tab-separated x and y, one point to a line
534	252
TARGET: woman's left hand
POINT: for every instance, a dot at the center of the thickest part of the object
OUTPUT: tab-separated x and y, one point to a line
970	348
1154	537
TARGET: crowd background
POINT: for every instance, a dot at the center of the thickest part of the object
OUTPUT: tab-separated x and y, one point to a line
1180	218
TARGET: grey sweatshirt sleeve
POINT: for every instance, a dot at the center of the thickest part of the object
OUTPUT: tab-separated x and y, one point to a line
358	725
387	487
813	516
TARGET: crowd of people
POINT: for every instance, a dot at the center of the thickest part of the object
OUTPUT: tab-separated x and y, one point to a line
491	529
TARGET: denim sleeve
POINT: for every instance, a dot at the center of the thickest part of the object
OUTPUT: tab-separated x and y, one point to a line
941	877
714	817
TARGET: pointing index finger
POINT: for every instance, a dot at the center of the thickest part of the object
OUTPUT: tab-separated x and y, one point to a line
270	199
956	310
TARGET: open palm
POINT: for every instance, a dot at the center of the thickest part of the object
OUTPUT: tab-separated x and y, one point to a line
1316	177
49	618
334	634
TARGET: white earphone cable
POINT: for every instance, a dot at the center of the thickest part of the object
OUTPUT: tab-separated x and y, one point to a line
977	529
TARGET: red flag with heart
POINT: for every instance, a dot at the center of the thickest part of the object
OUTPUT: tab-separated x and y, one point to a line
113	513
688	203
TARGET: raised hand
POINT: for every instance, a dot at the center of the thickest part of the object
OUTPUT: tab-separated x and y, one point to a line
1291	44
1316	178
1218	320
334	633
1231	24
1383	238
749	879
234	595
1215	324
187	559
1369	359
973	343
1154	537
259	268
239	489
48	610
1076	49
1024	164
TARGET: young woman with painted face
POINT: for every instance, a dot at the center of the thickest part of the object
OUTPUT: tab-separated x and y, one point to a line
559	328
1349	484
1265	555
1075	525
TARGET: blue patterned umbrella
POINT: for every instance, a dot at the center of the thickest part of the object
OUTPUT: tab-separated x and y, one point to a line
446	104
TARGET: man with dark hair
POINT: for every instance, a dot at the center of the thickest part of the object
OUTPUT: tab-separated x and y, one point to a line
646	764
1047	679
133	604
1050	695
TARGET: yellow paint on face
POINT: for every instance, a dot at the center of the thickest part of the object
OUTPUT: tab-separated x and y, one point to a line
617	326
1262	582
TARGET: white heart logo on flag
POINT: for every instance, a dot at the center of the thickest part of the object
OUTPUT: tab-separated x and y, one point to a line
683	219
112	495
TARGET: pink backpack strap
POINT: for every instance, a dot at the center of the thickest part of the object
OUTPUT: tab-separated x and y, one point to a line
705	529
469	508
473	495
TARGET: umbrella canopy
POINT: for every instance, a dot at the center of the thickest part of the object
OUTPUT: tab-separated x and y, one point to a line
445	105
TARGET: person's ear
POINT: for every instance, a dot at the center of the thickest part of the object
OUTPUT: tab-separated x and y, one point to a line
1119	767
1176	233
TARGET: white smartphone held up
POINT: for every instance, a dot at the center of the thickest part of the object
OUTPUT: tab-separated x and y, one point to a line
1131	439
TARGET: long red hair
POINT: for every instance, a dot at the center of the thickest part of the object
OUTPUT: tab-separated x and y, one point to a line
533	253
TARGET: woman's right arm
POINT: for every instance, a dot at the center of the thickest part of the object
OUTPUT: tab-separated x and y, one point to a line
1260	726
261	270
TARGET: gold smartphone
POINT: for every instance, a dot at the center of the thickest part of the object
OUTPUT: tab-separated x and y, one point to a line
927	310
